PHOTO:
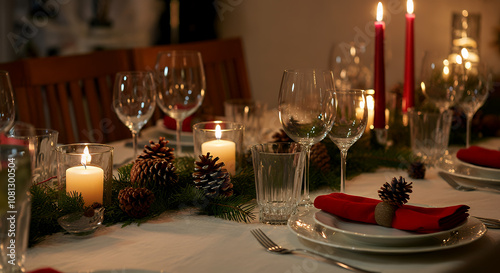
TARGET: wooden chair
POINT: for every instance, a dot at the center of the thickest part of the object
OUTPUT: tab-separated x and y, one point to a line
225	70
73	94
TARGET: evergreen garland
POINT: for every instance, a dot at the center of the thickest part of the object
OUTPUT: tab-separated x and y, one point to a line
48	205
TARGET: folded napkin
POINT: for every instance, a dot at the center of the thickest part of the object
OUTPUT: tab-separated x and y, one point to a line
407	217
480	156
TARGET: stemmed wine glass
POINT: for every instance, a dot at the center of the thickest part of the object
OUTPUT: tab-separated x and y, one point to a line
477	82
7	109
306	110
349	124
181	85
134	100
441	79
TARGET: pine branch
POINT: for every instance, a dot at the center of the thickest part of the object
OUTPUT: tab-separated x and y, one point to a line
234	208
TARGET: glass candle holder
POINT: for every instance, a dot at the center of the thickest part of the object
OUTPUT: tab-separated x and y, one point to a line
86	168
221	139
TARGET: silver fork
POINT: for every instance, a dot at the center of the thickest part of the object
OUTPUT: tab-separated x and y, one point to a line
271	246
489	223
451	181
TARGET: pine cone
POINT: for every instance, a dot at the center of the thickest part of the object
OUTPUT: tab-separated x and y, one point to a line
152	173
395	193
416	170
154	167
320	157
135	201
212	177
281	136
157	151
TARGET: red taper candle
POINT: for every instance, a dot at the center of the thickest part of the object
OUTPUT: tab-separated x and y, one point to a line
409	84
379	115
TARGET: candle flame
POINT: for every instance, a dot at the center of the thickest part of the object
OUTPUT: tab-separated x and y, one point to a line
409	6
218	132
86	157
458	59
380	12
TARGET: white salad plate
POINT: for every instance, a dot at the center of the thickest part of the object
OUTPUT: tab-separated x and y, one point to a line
457	168
375	234
488	171
305	227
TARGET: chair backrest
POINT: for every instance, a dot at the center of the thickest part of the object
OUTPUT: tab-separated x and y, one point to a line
225	69
73	95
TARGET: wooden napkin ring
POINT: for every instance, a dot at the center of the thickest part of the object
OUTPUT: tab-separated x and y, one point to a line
384	214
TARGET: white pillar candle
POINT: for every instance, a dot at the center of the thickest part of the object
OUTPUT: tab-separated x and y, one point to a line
224	149
86	180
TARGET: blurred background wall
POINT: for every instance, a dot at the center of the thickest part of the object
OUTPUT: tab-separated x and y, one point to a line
277	34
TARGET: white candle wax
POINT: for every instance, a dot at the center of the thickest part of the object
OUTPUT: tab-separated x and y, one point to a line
225	150
88	181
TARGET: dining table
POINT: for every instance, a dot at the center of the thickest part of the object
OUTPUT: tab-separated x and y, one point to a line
185	241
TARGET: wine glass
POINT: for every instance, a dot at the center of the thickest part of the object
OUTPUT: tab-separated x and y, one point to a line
181	85
7	109
350	122
441	79
306	110
134	100
477	83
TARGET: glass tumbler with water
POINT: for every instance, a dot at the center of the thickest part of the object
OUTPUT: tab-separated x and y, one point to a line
278	171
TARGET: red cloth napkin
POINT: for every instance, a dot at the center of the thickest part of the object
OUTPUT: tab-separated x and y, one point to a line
171	124
410	218
480	156
12	141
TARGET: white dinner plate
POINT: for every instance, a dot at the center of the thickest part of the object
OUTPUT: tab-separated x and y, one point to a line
305	227
375	234
455	167
488	171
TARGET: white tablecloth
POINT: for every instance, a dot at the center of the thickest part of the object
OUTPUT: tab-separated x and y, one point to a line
186	242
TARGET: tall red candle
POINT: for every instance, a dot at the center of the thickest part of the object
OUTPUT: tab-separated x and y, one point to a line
409	84
379	79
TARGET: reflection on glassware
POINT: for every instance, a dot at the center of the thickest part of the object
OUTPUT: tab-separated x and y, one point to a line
181	85
7	108
249	113
477	81
349	124
41	144
15	176
306	110
348	68
430	132
134	100
441	79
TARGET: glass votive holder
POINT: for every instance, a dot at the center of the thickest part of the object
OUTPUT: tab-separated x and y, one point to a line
223	139
86	168
42	144
249	113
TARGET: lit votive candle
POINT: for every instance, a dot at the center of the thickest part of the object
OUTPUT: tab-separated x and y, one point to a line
224	149
86	180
